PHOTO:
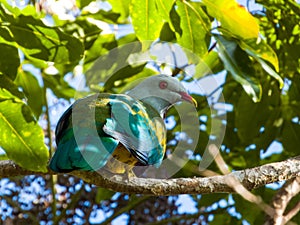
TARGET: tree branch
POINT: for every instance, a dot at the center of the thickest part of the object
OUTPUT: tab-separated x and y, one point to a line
250	178
281	200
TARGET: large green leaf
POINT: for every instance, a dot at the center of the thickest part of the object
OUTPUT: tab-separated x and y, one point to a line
21	137
164	7
233	17
146	23
40	41
33	91
238	64
9	60
195	25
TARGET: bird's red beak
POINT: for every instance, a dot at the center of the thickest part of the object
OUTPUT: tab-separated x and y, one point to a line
186	97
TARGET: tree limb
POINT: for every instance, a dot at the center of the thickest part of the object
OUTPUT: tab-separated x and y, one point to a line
250	178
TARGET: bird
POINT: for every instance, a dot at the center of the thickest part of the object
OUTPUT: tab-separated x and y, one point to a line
116	132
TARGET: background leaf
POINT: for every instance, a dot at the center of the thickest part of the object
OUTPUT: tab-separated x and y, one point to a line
21	137
9	60
237	62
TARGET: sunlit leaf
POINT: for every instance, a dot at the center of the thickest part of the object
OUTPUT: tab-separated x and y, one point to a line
194	25
164	7
21	137
263	53
121	7
262	50
233	17
83	3
102	15
146	23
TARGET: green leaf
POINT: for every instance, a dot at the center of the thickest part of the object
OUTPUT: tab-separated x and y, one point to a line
263	53
250	117
120	75
164	7
102	15
8	84
238	64
121	7
167	34
21	137
262	50
39	41
243	206
10	61
100	46
233	17
195	25
84	30
291	137
82	3
145	22
210	64
33	92
110	63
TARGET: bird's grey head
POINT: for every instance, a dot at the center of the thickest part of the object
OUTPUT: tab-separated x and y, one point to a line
161	91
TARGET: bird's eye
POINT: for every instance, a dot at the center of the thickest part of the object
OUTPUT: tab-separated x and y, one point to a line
163	85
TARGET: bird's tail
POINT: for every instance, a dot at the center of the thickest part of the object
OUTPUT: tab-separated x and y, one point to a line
83	153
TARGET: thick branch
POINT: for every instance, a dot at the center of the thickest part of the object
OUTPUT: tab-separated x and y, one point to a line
249	178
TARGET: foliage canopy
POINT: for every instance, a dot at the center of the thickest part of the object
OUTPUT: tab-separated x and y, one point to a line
256	54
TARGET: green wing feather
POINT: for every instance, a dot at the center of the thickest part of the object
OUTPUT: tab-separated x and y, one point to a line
138	127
